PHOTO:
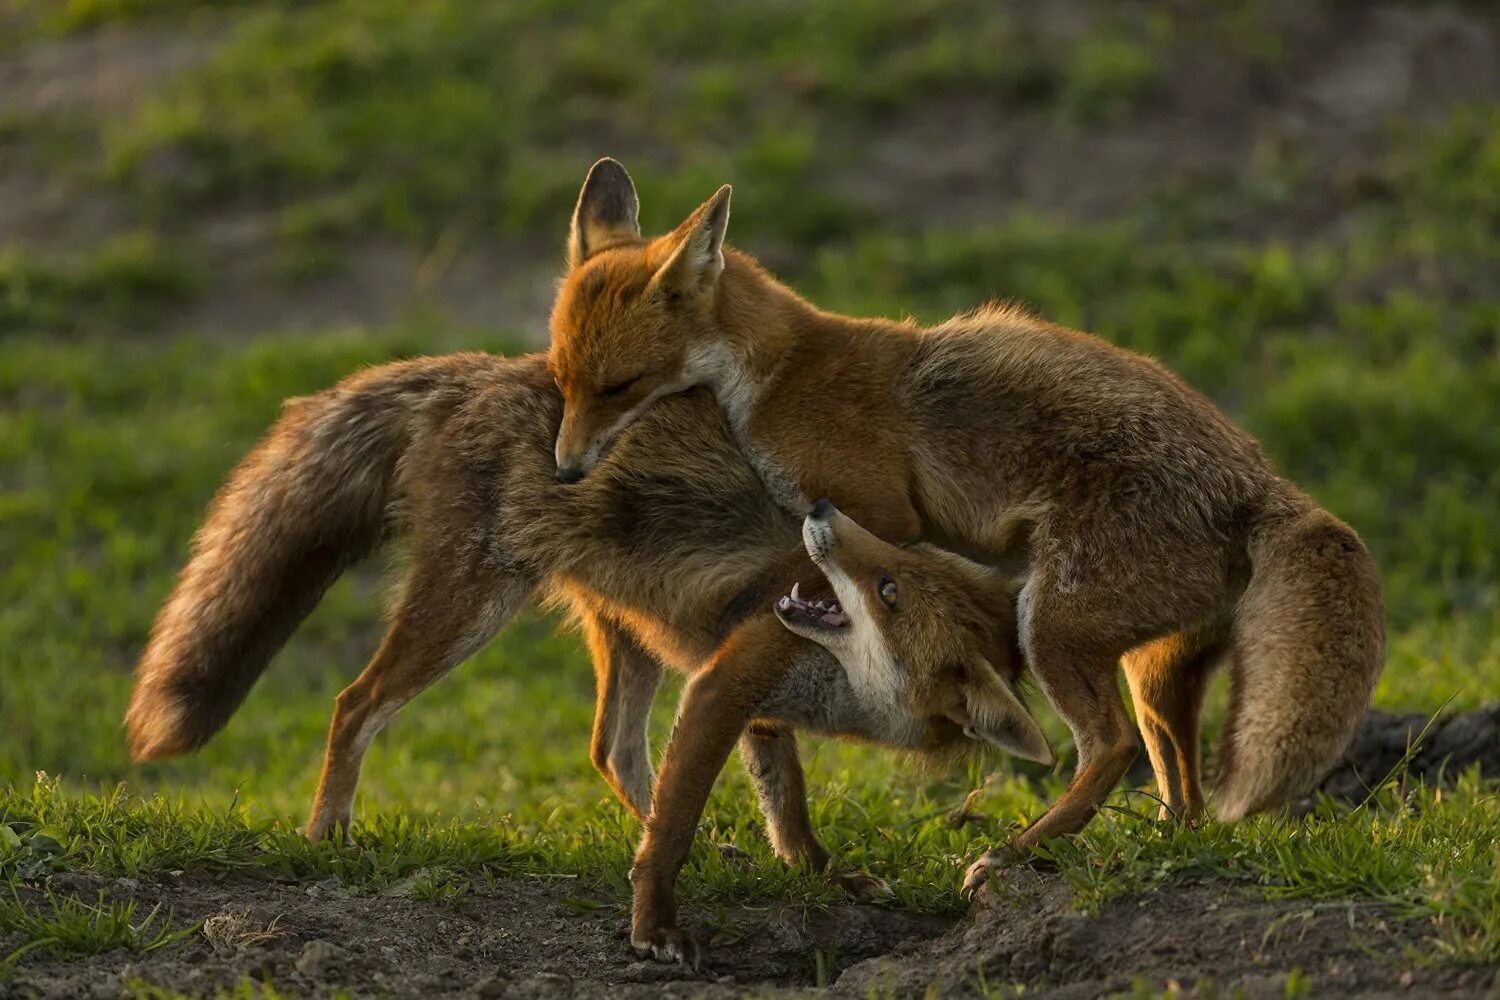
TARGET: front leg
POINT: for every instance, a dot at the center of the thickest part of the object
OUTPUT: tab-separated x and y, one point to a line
769	752
868	477
717	704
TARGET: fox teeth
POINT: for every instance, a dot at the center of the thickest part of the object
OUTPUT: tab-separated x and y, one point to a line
797	591
784	603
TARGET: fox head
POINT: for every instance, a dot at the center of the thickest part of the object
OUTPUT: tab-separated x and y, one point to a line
629	313
919	627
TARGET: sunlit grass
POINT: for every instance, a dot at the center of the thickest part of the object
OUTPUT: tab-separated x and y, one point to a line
1367	360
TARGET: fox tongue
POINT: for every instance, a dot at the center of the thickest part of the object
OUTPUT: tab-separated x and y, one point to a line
834	618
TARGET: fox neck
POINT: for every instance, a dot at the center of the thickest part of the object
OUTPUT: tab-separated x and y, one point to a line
765	333
879	685
875	675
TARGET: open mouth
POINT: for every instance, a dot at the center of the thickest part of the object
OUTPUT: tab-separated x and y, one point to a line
793	610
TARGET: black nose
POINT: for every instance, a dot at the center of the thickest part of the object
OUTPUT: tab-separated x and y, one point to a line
569	473
823	509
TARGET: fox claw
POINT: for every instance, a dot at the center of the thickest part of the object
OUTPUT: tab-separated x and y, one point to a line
862	886
668	945
978	875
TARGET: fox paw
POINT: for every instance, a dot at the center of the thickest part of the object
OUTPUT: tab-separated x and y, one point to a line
978	875
338	831
862	886
667	944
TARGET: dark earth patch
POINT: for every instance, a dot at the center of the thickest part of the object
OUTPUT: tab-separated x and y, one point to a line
513	937
524	937
1210	941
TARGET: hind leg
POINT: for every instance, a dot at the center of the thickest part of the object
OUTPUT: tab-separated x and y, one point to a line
626	680
1167	679
1078	672
439	623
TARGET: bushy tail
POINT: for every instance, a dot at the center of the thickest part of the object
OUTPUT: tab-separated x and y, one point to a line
311	499
1309	641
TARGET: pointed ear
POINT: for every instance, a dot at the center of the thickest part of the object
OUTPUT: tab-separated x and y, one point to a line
607	212
697	258
991	712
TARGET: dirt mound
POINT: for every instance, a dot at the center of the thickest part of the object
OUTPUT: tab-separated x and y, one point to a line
1028	935
544	937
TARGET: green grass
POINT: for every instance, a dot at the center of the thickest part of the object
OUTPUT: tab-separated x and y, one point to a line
69	926
1366	357
124	283
416	118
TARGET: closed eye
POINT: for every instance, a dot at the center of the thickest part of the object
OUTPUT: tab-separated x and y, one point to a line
619	387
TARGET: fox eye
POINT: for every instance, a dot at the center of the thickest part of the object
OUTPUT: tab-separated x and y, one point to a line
888	590
619	387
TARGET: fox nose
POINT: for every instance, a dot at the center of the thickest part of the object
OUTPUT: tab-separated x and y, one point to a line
569	473
823	509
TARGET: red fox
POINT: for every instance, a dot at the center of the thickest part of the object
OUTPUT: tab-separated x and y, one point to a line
923	624
1151	532
670	553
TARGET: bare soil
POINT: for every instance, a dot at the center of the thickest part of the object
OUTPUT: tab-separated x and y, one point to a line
555	936
1212	941
515	937
530	937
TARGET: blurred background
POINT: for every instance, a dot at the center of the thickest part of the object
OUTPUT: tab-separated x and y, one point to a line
207	207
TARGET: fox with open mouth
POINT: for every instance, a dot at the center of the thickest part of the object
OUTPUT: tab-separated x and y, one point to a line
926	637
1149	534
671	555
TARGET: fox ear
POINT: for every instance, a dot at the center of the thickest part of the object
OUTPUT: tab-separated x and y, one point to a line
697	257
991	712
607	212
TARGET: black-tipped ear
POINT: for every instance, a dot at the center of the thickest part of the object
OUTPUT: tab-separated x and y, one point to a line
607	213
991	712
698	259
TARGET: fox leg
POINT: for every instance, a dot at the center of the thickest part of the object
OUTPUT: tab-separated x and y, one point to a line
439	623
1167	678
769	752
717	704
626	679
1078	673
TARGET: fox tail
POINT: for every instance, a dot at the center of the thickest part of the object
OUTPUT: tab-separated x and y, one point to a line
1309	641
311	499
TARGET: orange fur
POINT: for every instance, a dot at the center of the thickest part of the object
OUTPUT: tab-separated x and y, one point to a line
671	553
1146	525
